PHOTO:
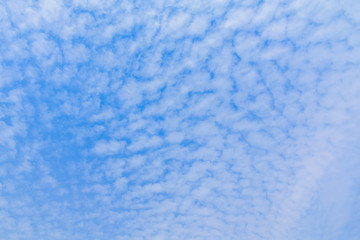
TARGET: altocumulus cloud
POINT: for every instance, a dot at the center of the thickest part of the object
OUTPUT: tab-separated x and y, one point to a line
214	119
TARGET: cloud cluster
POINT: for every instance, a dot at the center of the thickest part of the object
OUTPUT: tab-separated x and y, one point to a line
179	120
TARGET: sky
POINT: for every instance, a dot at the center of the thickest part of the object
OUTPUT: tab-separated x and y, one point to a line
192	119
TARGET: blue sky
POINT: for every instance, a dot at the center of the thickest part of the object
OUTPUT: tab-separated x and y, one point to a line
190	119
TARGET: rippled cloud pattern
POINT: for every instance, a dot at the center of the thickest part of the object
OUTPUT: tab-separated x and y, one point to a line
192	119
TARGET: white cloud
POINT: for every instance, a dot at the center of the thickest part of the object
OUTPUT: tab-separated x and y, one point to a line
179	120
108	147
